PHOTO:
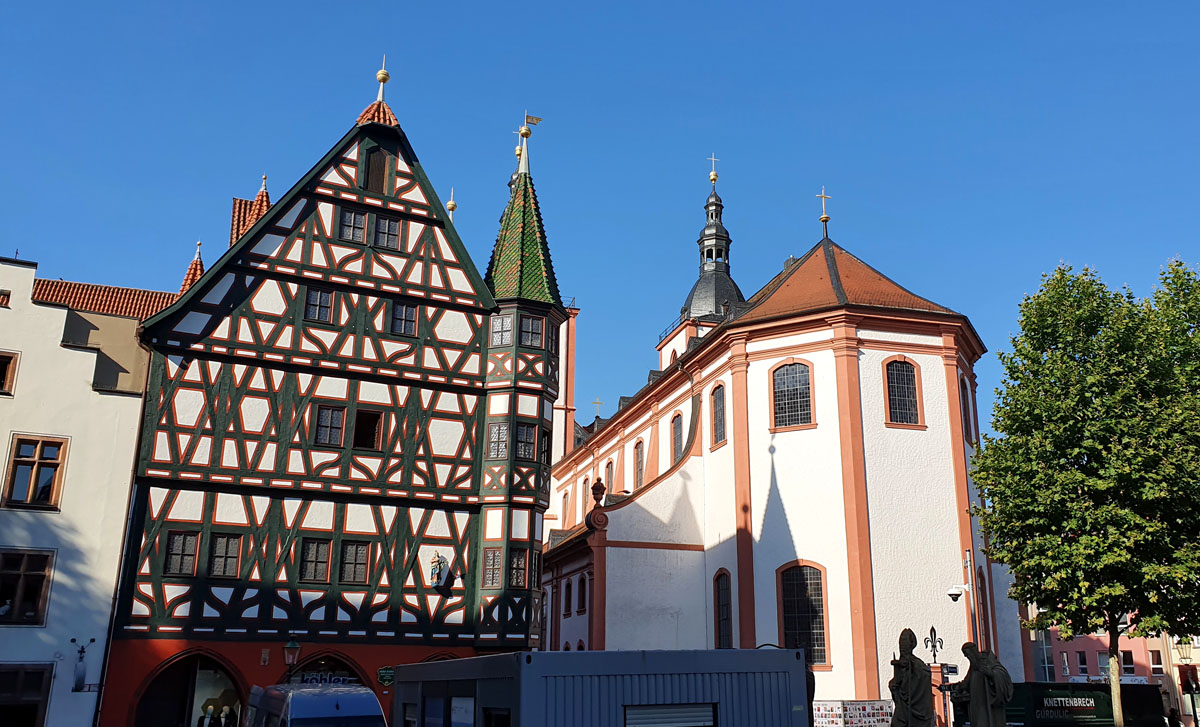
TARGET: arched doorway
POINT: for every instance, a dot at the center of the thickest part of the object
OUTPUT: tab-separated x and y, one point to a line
182	693
326	669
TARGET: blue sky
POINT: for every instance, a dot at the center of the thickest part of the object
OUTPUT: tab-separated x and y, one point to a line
968	149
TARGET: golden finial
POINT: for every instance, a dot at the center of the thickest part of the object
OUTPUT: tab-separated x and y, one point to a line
451	205
198	243
382	75
712	176
525	131
264	184
517	151
824	214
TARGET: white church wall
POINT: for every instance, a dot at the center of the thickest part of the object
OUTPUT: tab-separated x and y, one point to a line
796	339
676	346
719	500
895	337
573	625
798	511
677	400
656	599
669	512
915	546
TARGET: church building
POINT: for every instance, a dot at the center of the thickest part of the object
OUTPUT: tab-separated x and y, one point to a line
794	474
345	447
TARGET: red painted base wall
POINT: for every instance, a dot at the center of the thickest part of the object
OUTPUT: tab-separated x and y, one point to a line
134	663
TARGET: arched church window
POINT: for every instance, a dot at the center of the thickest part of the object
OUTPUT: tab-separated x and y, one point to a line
718	415
567	646
802	598
964	401
903	394
581	604
566	503
639	464
722	611
567	599
608	475
676	438
580	646
791	390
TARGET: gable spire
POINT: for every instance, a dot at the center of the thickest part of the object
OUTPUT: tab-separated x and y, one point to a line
379	112
194	272
520	266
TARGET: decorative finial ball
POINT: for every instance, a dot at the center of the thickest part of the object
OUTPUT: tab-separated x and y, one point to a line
451	206
517	151
824	218
712	177
525	132
382	75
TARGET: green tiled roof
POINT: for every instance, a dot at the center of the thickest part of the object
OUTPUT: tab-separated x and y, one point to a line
520	266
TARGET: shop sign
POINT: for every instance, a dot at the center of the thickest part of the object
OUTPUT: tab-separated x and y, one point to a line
387	675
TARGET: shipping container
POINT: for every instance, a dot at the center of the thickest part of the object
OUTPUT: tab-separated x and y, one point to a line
727	687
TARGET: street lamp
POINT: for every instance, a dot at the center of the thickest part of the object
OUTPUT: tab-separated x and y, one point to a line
291	652
1183	647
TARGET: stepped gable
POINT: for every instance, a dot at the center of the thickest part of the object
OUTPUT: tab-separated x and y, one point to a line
828	276
107	299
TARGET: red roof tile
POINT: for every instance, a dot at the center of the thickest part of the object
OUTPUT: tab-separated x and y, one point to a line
379	113
107	299
246	212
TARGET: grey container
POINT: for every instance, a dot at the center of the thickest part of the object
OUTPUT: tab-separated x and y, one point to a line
725	688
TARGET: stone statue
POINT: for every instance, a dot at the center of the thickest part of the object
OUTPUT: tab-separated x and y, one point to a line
911	686
985	690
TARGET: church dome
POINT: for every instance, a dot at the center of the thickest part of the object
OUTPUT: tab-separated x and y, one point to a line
708	296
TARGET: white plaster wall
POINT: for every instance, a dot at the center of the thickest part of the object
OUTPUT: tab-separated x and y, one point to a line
654	599
677	400
719	504
53	396
915	547
899	337
798	511
574	628
669	512
677	345
796	339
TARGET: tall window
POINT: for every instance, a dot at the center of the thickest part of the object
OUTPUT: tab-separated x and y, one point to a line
1066	665
531	331
368	429
330	421
639	464
516	568
314	560
387	232
1081	662
803	596
356	557
24	585
544	447
676	437
1102	662
581	603
527	441
608	475
718	415
404	319
552	340
225	552
354	224
501	331
1156	662
318	305
722	612
567	599
34	472
791	389
24	693
498	440
493	567
964	397
566	504
8	371
181	553
1127	666
376	170
902	393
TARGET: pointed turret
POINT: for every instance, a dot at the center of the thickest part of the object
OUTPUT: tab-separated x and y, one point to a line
194	272
715	288
520	266
248	211
379	112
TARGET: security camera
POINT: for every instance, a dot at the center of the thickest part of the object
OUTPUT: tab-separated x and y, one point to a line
956	592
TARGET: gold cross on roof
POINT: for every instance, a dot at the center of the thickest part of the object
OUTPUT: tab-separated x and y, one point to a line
598	404
823	197
714	161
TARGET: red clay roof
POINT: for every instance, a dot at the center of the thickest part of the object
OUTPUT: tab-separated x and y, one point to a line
826	277
248	211
379	113
194	271
107	299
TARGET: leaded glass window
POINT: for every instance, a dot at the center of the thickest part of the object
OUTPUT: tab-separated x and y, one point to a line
498	440
718	415
639	464
314	559
791	386
387	233
355	560
354	224
223	560
501	331
330	421
404	319
531	331
526	441
902	393
319	305
516	568
676	438
492	567
803	598
181	554
722	612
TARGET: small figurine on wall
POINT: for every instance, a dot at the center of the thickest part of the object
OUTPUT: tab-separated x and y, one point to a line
985	690
911	686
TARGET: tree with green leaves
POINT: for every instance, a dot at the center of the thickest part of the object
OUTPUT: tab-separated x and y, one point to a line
1092	484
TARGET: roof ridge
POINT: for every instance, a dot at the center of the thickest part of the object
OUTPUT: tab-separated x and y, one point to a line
835	277
875	270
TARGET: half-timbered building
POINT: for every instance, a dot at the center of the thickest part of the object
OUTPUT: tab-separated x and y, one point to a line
345	444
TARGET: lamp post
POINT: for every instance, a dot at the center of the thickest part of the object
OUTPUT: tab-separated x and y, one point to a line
291	652
1183	646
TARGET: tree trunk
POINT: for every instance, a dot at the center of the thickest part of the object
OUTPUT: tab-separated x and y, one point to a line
1114	672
